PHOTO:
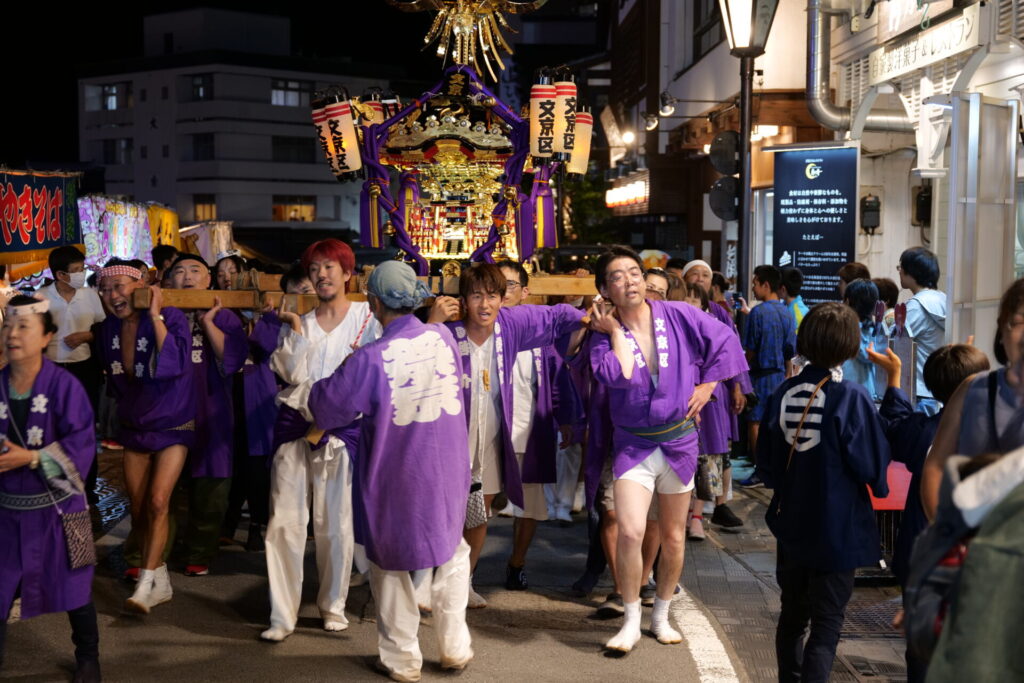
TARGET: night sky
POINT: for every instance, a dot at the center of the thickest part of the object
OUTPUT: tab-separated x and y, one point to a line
44	58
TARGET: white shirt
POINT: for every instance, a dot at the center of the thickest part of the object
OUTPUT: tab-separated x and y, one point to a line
78	315
303	359
485	405
524	399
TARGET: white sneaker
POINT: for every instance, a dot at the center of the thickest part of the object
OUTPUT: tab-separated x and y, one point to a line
476	601
153	588
507	511
275	634
562	515
162	591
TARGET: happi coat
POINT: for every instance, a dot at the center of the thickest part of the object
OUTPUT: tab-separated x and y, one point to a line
260	386
152	407
820	511
691	348
213	451
519	328
412	469
33	552
718	423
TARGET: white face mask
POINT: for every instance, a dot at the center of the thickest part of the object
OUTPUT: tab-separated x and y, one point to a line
77	280
575	303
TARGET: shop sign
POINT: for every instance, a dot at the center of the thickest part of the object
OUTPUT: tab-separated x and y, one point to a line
37	213
815	216
927	47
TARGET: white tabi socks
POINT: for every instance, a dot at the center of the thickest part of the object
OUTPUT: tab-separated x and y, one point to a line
629	634
153	588
661	627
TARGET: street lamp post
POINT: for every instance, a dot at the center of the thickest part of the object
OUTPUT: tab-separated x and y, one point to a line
747	23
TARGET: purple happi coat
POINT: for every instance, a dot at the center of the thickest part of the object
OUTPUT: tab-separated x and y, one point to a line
260	386
152	407
212	454
33	552
517	328
718	423
539	457
412	472
691	348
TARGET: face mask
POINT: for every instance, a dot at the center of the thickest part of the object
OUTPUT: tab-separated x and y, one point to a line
575	303
77	280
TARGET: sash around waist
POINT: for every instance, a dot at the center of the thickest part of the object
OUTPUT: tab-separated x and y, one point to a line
663	433
34	501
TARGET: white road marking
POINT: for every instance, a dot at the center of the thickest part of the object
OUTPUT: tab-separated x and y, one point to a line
706	648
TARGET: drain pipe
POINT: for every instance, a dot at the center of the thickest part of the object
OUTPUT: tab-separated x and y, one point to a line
819	97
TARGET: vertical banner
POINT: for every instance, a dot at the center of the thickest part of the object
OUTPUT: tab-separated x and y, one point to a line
815	216
37	214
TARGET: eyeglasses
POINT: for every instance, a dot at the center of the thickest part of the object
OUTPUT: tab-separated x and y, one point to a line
511	285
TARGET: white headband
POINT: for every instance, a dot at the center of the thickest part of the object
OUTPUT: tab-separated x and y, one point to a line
693	264
38	306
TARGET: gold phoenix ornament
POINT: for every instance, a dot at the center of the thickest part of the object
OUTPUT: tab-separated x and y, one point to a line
463	25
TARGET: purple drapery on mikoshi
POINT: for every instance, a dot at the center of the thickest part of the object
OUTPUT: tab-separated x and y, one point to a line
34	553
546	230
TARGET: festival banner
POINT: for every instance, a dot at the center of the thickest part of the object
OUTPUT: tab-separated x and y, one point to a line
38	213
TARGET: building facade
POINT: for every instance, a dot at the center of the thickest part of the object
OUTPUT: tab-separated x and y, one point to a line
214	121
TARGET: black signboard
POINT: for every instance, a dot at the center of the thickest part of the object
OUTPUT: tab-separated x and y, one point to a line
815	217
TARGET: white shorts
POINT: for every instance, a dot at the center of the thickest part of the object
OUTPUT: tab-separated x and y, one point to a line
655	474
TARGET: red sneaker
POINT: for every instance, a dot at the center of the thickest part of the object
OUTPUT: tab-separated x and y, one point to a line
131	574
197	570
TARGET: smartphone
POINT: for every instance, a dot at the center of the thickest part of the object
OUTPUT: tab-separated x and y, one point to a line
736	303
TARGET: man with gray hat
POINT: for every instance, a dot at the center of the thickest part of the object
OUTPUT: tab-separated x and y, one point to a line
411	475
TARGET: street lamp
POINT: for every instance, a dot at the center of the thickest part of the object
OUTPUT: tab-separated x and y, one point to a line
747	23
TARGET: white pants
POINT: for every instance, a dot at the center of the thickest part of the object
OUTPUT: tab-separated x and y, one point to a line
297	475
398	615
562	494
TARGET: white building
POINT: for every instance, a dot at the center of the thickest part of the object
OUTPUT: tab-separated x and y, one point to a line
214	120
944	78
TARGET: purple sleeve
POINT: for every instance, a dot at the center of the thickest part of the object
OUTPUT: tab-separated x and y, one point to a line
263	339
535	326
568	408
175	356
742	379
605	365
337	400
76	432
236	346
722	356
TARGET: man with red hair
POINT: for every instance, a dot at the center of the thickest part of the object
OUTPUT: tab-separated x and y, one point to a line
310	348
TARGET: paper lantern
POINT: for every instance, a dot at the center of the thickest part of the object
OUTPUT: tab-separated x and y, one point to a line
565	117
377	107
581	150
332	118
542	120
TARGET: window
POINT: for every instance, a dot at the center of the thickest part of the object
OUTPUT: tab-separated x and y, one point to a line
289	150
202	147
143	152
284	93
167	151
707	27
204	207
117	151
164	92
108	97
202	87
294	208
142	94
